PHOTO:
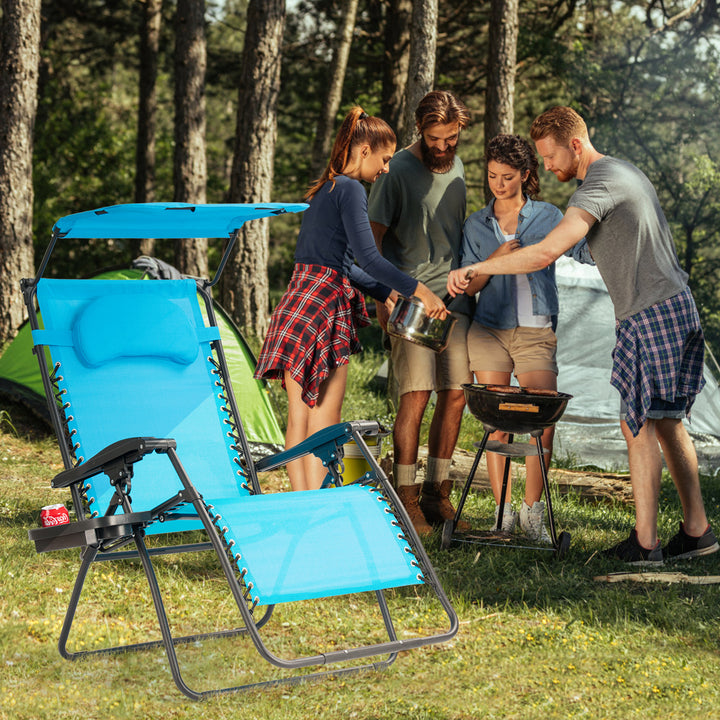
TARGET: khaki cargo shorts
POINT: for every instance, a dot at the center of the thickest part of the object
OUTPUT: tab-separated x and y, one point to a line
522	349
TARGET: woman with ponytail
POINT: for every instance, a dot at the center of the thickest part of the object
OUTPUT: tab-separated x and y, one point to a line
313	330
513	329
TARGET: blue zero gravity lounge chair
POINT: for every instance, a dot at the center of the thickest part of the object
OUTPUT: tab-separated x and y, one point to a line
153	444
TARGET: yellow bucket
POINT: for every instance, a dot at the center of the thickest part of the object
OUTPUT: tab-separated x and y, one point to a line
355	463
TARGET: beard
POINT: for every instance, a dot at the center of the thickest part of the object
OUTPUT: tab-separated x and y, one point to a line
568	174
434	162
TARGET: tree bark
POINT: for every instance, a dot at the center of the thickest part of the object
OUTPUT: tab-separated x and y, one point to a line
19	60
331	105
244	285
396	63
147	113
421	71
502	62
190	164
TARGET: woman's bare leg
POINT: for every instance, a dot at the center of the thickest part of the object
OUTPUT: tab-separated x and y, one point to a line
496	463
308	473
546	380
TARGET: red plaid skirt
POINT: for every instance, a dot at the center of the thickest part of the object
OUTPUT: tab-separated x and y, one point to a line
313	329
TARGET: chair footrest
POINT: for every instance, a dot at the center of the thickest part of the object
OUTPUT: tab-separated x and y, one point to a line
87	532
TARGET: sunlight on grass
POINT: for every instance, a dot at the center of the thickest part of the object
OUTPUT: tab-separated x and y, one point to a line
539	637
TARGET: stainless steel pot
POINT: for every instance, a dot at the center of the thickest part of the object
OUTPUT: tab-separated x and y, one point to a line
409	321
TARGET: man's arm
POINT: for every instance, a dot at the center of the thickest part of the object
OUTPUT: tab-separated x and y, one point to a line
382	310
378	232
569	231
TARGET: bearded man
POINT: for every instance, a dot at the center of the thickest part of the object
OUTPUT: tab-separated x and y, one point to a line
417	211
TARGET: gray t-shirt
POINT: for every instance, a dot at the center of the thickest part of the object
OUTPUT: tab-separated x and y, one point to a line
631	243
424	213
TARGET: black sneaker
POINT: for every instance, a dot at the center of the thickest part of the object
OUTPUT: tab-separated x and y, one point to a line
633	553
682	545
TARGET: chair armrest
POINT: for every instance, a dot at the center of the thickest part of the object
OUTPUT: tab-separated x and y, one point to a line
323	444
129	451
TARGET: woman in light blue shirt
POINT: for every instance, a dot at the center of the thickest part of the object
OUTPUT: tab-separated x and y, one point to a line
513	326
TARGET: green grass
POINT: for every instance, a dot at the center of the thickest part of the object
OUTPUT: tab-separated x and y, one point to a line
539	638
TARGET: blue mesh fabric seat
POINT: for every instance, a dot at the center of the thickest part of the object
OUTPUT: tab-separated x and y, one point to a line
153	444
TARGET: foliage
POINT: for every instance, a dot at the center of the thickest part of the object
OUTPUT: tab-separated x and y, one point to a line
646	80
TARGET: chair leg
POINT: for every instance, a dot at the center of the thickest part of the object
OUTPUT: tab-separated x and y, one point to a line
87	557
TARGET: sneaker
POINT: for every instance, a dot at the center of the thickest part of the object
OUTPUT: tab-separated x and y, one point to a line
531	522
633	553
682	545
509	520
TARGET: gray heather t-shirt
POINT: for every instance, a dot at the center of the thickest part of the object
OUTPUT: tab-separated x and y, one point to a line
424	213
631	243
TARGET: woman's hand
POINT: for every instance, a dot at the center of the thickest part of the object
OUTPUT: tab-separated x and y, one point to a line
434	306
384	310
506	248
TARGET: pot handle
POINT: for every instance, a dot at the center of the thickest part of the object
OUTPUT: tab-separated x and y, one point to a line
448	300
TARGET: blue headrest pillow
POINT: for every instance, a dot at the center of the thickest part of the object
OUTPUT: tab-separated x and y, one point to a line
126	326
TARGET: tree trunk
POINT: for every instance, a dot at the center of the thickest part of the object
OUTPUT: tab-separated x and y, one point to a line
147	113
244	286
421	72
331	105
190	165
502	61
396	63
19	58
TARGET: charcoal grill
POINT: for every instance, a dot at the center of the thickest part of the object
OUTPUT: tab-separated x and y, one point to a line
516	411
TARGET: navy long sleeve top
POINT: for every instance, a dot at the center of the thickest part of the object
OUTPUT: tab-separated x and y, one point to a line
335	232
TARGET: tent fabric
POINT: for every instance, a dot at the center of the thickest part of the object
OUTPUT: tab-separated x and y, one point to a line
20	379
589	431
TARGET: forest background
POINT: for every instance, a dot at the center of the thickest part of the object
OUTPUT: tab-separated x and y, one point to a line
644	74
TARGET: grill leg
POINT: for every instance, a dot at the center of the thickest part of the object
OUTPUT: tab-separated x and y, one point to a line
471	476
503	490
561	543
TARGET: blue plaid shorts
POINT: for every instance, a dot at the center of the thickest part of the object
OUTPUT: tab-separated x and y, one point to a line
659	355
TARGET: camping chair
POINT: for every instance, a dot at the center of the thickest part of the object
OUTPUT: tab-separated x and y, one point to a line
153	445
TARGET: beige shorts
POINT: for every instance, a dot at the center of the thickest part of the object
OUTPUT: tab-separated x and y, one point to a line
520	349
418	368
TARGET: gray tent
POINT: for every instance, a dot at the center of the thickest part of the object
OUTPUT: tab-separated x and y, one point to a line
589	431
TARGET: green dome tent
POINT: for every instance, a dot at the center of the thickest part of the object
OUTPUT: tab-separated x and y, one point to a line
20	379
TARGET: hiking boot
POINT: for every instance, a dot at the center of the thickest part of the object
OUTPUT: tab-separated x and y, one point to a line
531	522
683	546
509	519
633	553
409	496
436	505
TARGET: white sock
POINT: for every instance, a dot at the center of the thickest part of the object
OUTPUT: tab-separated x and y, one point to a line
438	469
405	475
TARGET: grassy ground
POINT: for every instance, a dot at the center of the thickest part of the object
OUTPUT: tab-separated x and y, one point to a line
539	637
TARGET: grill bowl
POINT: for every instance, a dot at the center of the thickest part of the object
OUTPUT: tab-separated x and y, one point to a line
515	410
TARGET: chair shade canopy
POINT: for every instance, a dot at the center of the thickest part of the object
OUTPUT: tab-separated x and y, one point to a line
171	220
